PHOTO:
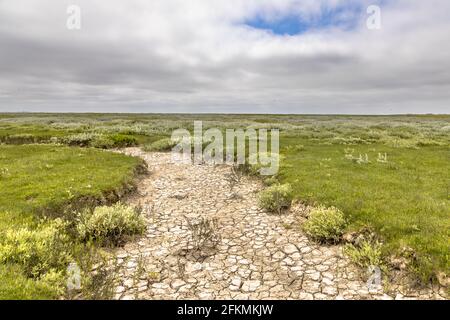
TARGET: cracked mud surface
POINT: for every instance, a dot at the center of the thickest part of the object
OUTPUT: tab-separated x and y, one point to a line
260	256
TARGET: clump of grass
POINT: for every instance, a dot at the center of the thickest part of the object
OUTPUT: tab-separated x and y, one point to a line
4	172
294	148
349	141
42	252
110	224
21	138
113	141
325	224
276	198
255	164
165	144
365	254
424	142
204	233
98	270
260	161
245	169
80	139
270	181
122	140
413	142
102	141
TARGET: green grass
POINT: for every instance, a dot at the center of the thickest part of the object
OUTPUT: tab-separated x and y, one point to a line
406	199
15	286
36	179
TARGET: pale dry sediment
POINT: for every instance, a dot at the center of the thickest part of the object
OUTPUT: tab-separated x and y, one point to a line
259	256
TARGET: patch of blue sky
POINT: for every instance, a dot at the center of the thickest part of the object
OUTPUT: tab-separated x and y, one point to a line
346	17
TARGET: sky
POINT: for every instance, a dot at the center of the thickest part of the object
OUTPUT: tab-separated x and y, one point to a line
230	56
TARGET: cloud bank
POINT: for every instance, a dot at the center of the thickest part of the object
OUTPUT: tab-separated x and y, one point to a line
204	56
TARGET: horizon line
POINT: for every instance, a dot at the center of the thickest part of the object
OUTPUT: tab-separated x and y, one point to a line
227	113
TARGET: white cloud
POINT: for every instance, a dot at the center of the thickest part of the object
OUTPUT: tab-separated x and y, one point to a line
198	55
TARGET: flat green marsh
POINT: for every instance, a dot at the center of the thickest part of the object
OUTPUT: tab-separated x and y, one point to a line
389	173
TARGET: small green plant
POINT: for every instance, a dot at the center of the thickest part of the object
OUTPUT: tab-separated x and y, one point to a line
365	254
122	140
102	142
98	273
4	172
21	138
271	180
53	281
276	198
153	276
205	234
325	224
234	177
294	148
109	225
165	144
80	139
288	226
41	252
257	162
349	141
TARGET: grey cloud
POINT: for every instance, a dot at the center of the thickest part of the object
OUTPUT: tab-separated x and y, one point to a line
150	57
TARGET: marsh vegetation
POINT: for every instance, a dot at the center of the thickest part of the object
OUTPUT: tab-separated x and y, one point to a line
387	173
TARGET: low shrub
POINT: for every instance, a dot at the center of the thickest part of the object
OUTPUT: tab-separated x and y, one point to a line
23	138
365	254
270	181
254	165
424	142
260	162
4	172
325	224
204	232
53	281
109	225
294	148
80	139
349	141
245	169
276	198
97	285
123	140
102	142
165	144
42	252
